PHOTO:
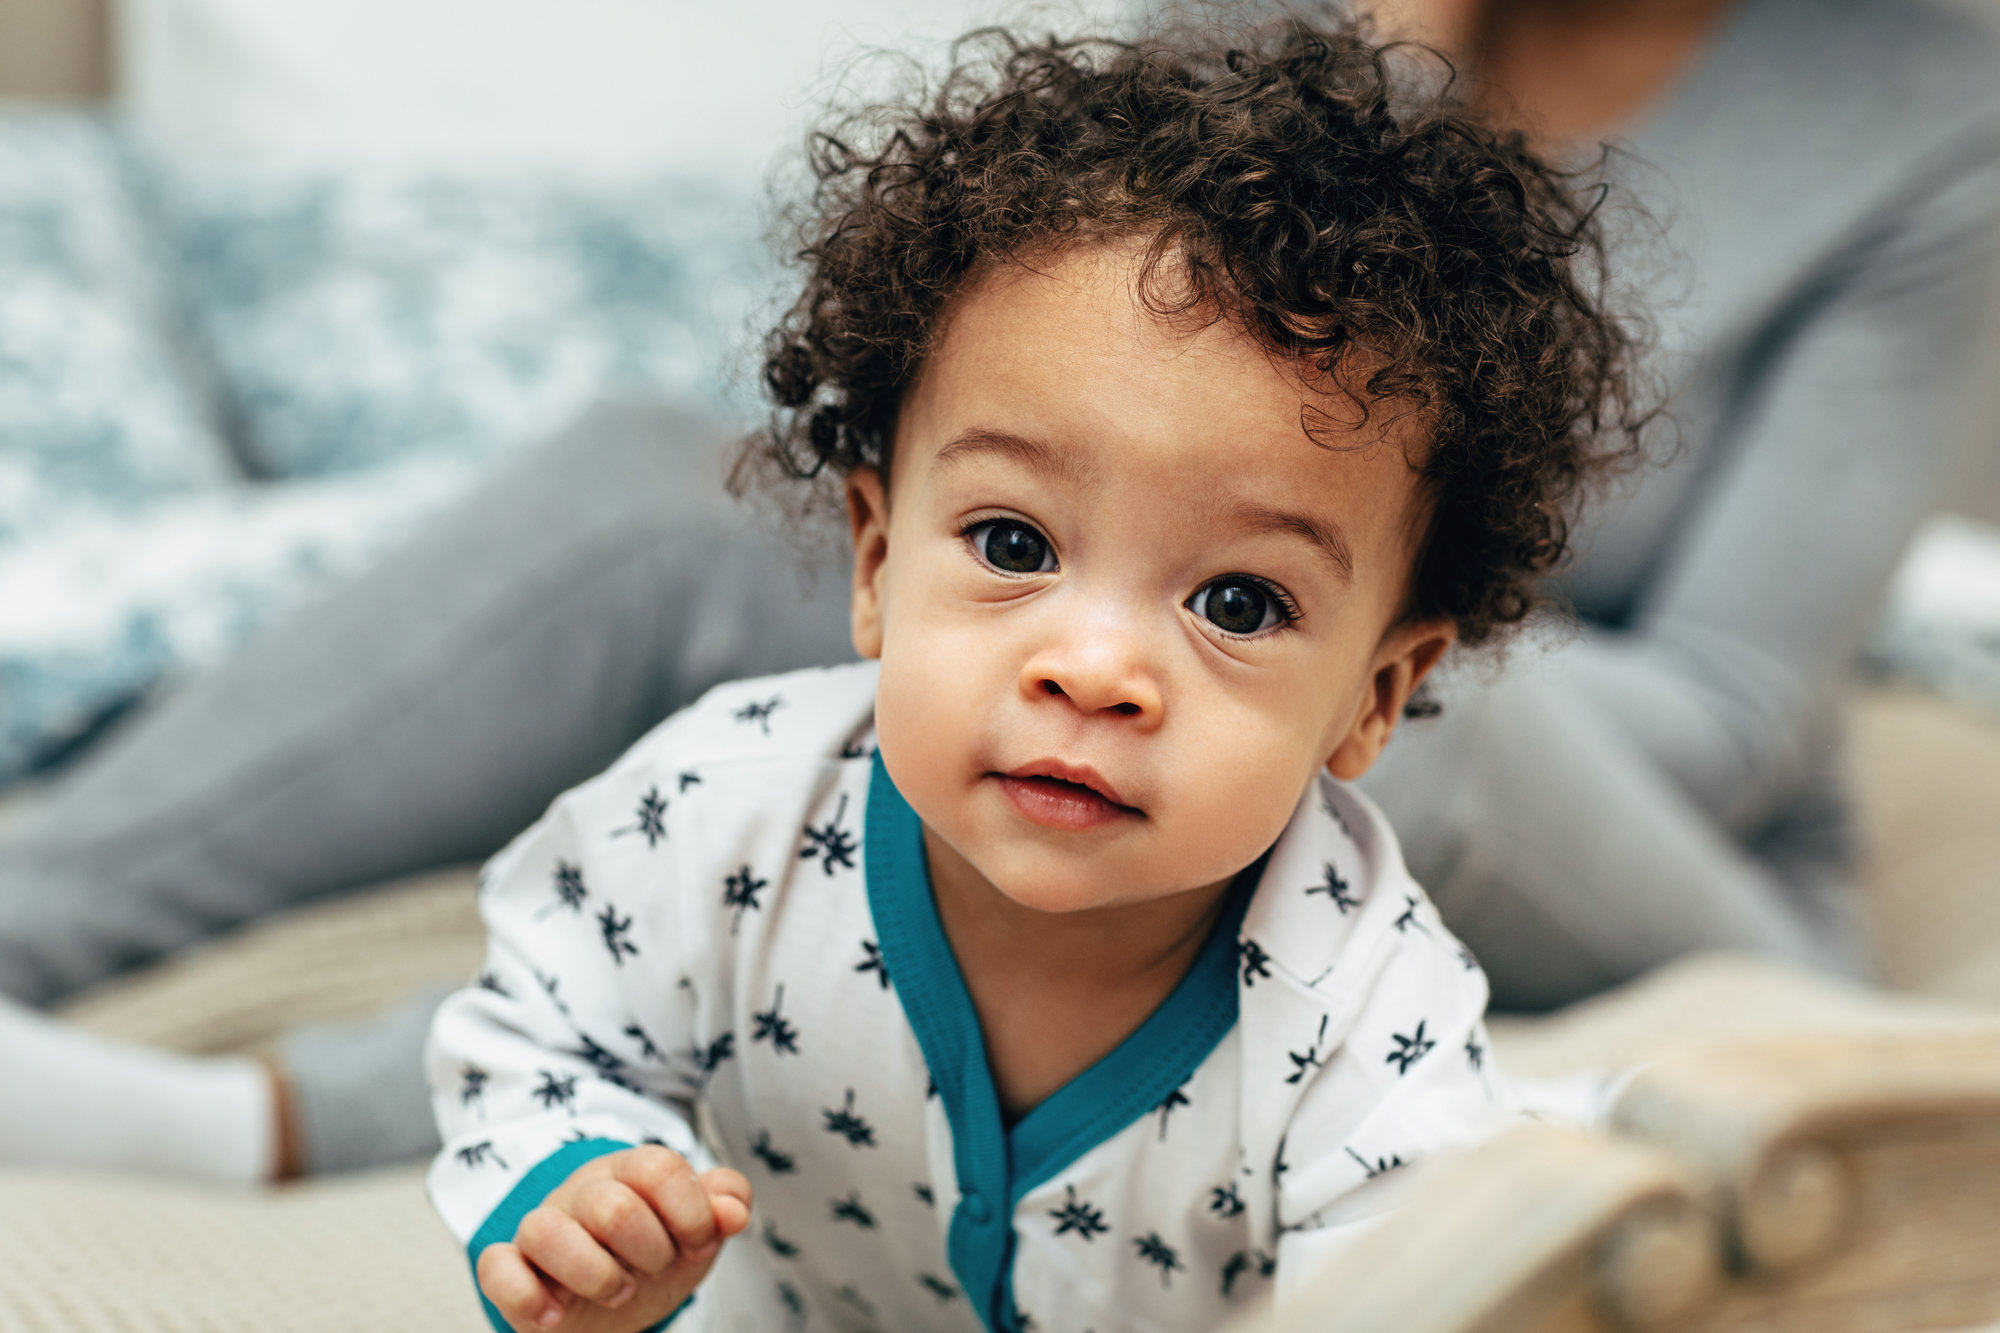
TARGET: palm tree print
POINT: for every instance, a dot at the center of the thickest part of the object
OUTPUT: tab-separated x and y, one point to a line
651	821
687	780
777	1244
570	893
1159	1254
609	1066
1085	1219
474	1155
647	1050
848	1125
1475	1054
849	1209
491	981
1335	888
1172	1102
777	1163
550	985
614	927
938	1287
1309	1060
873	961
832	845
472	1088
1224	1201
706	1058
1466	959
1256	963
1410	1049
556	1090
1245	1261
1409	917
772	1026
760	712
739	894
851	1295
1381	1166
924	1194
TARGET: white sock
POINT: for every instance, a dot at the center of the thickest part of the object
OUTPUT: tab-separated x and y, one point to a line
68	1098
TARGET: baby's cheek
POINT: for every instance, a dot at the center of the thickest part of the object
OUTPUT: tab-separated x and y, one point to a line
1234	799
922	729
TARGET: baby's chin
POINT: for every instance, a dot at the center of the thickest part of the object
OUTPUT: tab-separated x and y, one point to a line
1063	889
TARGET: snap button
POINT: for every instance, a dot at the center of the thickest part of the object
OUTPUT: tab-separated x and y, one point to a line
976	1207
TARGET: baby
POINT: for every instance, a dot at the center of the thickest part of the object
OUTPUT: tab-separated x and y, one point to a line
1042	972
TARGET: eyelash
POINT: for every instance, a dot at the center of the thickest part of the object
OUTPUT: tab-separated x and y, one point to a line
972	525
1287	607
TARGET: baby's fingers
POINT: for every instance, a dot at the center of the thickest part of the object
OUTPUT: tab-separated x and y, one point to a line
613	1213
516	1290
557	1244
668	1183
729	1198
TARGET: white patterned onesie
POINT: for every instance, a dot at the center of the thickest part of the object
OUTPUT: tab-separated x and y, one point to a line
727	944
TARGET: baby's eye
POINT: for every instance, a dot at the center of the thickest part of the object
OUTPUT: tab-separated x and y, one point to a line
1238	604
1011	546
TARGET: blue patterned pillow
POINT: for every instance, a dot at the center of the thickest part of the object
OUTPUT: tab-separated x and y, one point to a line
98	413
95	612
366	317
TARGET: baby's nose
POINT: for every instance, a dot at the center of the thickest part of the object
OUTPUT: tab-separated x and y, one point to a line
1101	671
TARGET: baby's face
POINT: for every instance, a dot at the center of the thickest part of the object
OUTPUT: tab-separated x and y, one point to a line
1125	607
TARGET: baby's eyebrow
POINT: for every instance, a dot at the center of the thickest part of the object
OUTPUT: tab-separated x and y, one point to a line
1324	534
1051	460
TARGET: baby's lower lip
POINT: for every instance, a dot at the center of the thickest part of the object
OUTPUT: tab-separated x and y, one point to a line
1055	804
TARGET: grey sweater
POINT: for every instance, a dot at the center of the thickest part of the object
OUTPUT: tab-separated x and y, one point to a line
1829	176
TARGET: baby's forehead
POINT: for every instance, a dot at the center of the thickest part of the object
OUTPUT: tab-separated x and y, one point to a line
1090	323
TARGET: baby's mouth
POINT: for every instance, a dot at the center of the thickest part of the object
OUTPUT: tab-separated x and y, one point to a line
1068	803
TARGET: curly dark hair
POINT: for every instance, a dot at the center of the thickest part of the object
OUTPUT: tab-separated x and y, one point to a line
1295	179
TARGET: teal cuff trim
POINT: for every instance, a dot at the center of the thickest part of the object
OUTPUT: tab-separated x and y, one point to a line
996	1168
540	1182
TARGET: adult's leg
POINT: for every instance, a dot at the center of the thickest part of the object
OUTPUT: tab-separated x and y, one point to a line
1562	856
418	716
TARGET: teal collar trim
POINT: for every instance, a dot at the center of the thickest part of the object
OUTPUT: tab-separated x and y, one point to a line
997	1167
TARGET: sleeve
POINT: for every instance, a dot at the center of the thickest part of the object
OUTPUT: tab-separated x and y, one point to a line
1414	1079
1855	418
546	1063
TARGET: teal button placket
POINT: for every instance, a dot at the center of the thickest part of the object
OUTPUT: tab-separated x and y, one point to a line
997	1167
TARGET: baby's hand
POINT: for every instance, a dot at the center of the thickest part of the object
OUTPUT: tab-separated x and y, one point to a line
616	1247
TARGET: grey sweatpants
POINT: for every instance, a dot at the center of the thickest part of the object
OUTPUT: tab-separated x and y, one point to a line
417	717
427	712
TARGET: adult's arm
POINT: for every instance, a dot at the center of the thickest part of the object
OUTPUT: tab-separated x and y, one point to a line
1854	418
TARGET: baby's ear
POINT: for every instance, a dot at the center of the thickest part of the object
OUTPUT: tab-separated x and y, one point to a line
868	525
1402	660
